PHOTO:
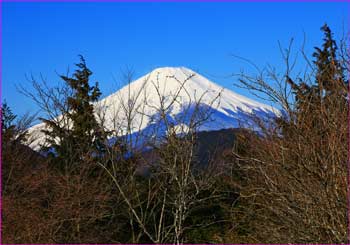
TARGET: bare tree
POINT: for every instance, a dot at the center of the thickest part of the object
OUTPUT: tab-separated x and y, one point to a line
173	187
155	180
294	175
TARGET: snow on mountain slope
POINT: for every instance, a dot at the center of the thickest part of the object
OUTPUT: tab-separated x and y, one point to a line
176	90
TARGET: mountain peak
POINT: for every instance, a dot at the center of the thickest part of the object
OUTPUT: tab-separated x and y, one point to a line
161	73
172	69
174	89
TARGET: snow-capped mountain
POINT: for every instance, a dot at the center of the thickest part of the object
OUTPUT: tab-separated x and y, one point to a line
171	95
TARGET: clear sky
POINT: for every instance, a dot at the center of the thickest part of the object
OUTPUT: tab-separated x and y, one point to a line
47	37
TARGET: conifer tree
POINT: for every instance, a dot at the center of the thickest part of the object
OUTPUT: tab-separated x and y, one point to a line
329	70
330	87
13	131
7	123
83	136
331	84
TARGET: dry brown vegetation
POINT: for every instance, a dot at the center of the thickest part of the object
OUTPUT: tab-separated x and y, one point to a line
294	188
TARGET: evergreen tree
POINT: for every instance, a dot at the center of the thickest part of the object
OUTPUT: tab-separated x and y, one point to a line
330	74
12	131
7	122
83	136
330	87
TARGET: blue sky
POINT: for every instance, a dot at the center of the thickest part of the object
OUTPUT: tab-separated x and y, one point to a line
46	38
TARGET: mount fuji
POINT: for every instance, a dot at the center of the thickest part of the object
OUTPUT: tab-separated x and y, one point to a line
171	95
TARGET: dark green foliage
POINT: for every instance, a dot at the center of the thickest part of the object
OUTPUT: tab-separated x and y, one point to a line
205	223
13	131
80	133
329	83
329	70
7	117
8	128
84	122
326	94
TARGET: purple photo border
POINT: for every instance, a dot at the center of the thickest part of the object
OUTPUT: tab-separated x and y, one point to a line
348	162
28	1
1	122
